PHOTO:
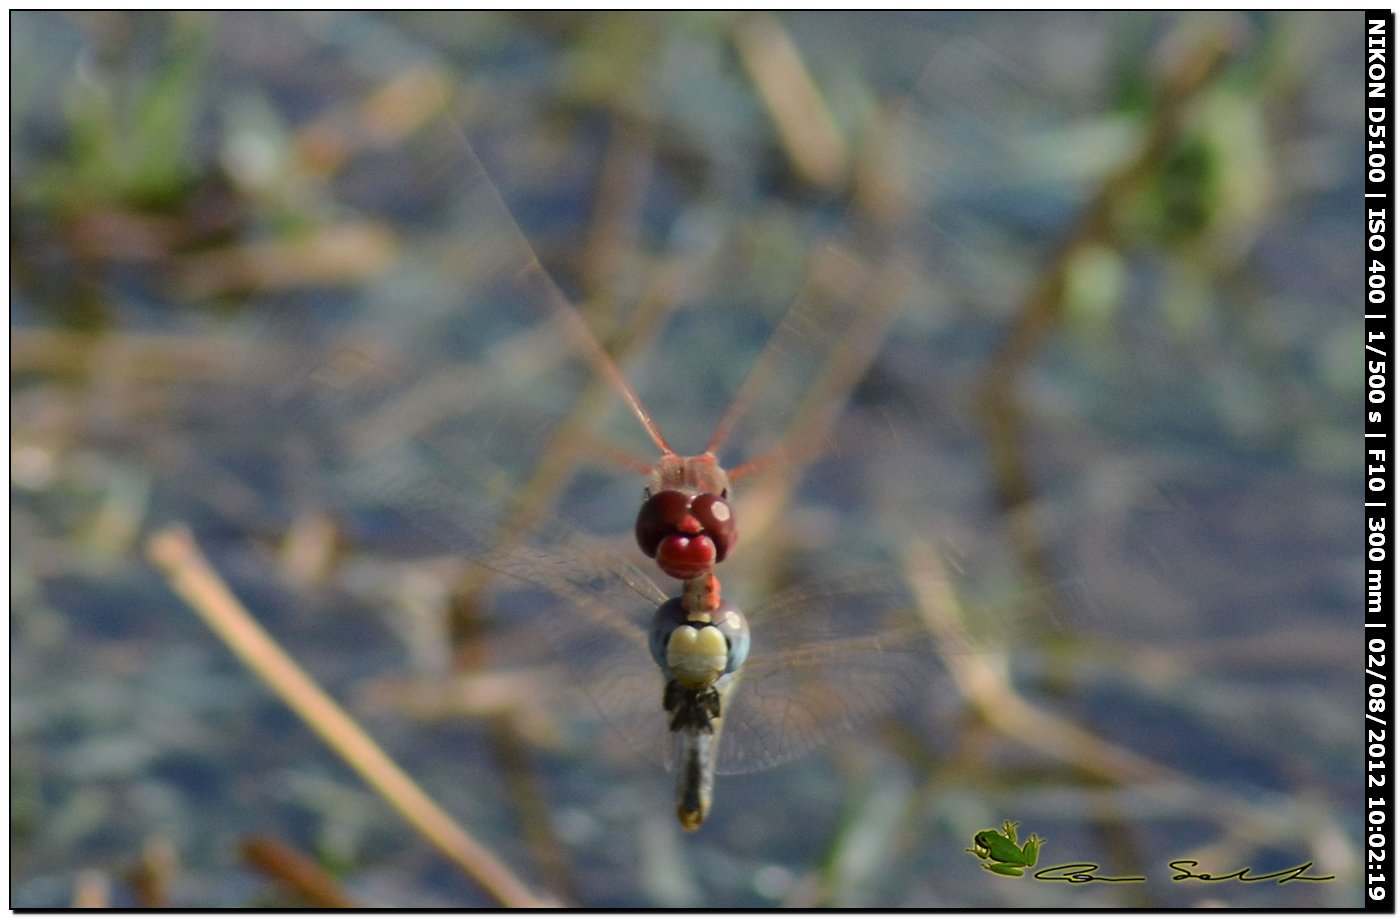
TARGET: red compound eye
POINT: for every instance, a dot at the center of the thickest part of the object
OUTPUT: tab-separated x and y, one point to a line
660	517
686	534
718	521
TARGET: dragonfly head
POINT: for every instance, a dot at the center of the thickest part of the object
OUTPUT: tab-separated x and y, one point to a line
686	523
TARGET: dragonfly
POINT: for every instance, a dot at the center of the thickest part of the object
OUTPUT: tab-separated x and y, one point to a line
819	658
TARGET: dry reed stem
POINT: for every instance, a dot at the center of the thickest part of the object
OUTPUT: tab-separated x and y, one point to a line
800	114
92	890
157	356
1042	309
297	873
174	551
152	876
984	680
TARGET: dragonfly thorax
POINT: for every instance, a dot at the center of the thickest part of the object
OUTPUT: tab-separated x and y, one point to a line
695	651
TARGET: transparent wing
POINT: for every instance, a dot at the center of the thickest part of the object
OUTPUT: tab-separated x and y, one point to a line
593	604
827	657
452	403
904	247
460	377
595	610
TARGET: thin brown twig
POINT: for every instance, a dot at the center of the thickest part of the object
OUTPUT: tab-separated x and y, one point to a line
619	201
297	873
1043	307
1045	301
800	114
985	682
523	785
174	551
150	878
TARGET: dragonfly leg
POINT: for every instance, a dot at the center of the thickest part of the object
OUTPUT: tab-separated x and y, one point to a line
691	709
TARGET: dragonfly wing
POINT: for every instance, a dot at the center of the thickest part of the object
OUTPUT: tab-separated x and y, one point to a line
612	669
592	604
827	657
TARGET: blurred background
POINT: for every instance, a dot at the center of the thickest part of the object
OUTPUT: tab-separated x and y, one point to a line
1077	283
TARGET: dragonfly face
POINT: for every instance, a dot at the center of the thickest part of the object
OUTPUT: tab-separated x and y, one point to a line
686	522
687	534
